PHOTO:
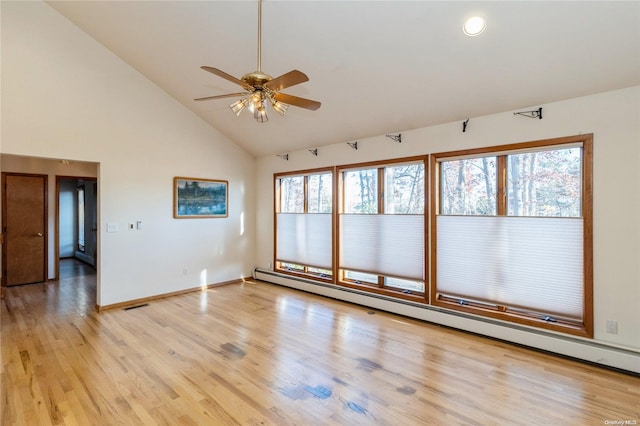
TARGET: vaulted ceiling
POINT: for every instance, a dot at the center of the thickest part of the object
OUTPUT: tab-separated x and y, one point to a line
377	66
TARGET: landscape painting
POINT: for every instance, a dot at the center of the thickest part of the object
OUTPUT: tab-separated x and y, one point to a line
200	198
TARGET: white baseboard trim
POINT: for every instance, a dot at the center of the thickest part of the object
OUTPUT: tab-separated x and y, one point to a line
588	350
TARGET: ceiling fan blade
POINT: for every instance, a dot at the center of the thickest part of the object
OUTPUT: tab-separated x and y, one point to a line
227	77
230	95
296	101
286	80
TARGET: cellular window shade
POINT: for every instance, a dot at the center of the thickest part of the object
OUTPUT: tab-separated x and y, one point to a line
304	239
390	245
529	263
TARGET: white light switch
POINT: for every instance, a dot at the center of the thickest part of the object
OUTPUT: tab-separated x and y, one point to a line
112	227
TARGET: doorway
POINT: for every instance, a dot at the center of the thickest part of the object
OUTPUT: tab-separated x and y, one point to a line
24	218
76	220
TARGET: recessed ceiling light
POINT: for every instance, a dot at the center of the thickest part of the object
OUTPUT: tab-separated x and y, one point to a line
474	26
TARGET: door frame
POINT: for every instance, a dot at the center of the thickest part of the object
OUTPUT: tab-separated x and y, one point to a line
45	221
57	220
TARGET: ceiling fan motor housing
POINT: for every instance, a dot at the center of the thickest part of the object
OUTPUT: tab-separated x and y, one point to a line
256	79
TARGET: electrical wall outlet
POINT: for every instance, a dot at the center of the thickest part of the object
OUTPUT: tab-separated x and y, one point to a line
185	271
612	326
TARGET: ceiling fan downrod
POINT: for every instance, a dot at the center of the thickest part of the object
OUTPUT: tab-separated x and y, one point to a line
259	36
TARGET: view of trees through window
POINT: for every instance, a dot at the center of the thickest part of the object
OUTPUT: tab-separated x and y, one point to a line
545	183
510	234
538	183
292	194
403	194
360	191
404	190
301	196
320	193
468	186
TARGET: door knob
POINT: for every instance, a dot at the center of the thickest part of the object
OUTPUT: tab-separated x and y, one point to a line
39	234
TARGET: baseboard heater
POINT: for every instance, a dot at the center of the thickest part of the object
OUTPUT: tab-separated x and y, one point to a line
626	359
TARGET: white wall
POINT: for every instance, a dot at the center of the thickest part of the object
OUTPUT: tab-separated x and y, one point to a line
65	96
613	118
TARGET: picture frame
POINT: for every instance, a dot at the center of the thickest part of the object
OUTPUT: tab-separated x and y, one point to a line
195	198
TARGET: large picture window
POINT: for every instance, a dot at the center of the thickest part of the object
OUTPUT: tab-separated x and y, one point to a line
511	233
382	227
304	239
510	227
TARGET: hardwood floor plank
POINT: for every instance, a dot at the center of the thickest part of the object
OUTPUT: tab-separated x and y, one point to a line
259	354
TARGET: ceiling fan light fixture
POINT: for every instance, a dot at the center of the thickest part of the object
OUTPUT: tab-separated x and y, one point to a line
280	107
260	114
239	105
255	101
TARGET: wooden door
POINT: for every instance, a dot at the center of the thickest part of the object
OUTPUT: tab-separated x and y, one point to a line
24	205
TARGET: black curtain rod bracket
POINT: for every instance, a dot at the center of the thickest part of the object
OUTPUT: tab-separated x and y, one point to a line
397	138
536	113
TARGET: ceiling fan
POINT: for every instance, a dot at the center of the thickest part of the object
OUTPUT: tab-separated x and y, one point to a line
261	89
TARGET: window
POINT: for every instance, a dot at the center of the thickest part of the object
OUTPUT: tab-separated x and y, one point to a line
511	230
512	233
304	243
381	227
545	183
468	186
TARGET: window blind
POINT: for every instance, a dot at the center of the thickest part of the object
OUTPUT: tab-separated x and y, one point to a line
533	263
390	245
304	239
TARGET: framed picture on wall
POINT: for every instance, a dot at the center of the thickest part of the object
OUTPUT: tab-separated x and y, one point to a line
200	198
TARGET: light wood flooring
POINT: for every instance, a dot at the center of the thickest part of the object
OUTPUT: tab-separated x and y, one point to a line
260	354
